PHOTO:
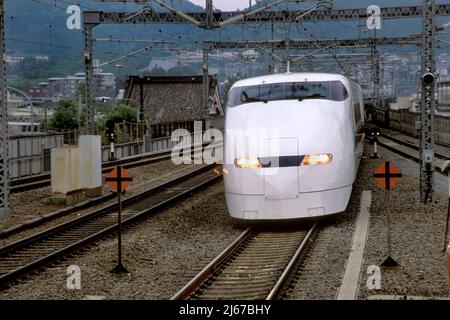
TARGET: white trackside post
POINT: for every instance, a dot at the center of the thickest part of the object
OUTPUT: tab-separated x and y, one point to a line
112	151
375	149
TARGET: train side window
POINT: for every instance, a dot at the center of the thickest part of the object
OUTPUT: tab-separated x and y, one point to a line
356	104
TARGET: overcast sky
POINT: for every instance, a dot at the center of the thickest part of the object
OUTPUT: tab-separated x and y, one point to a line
225	4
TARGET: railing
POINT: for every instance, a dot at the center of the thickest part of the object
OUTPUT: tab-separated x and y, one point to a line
138	147
123	150
126	132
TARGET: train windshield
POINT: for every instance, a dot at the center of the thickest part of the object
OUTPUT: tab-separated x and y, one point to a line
327	90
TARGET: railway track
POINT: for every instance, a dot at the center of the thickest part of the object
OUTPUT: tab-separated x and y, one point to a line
37	251
257	265
44	180
410	144
408	150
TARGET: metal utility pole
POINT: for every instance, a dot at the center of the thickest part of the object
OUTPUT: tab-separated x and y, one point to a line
141	108
79	108
375	77
89	67
4	139
209	14
427	103
272	66
206	52
375	73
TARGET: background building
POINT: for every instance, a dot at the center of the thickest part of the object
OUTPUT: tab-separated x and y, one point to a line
58	88
174	102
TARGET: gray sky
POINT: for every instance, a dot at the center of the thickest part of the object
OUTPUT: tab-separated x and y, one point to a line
225	4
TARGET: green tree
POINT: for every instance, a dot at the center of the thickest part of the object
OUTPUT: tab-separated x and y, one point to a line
19	83
81	92
121	113
65	116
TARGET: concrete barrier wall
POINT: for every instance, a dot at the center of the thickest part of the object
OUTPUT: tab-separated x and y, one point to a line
31	155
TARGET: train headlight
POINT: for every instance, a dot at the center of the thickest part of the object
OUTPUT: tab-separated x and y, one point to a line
315	159
247	163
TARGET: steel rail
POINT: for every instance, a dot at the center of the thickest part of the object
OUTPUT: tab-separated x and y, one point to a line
52	234
409	144
193	285
238	247
406	155
292	266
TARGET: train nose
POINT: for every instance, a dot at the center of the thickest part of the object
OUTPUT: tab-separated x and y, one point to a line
281	182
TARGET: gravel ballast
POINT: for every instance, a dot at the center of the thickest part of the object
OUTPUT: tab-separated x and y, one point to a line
31	204
166	251
321	273
143	178
163	254
417	236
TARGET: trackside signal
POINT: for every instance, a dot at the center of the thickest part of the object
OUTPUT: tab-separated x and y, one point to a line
387	176
119	179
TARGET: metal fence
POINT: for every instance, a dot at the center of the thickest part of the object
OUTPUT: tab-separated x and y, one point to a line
123	150
138	147
126	132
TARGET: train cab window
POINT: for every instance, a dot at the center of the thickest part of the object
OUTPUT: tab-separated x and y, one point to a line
270	92
234	98
333	90
327	90
274	92
309	90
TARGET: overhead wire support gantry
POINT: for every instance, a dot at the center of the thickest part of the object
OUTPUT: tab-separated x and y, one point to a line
210	19
269	46
428	102
214	20
312	44
4	138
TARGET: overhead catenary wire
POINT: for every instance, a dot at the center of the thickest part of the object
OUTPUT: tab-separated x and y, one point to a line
331	52
125	56
260	5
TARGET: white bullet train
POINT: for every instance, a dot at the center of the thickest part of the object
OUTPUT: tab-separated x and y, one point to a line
293	145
